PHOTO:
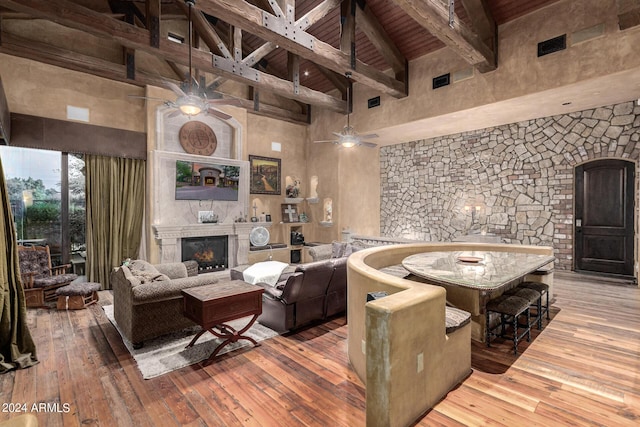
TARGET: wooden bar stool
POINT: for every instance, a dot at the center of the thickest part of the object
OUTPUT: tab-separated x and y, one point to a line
510	308
543	289
530	295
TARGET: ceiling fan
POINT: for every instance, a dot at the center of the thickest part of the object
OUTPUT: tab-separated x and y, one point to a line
192	101
348	137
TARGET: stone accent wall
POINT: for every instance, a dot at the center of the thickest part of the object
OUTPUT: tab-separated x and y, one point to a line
519	176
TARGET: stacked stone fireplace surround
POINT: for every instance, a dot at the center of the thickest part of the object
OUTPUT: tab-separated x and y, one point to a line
520	175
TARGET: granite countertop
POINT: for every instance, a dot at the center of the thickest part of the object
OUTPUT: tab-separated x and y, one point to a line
484	270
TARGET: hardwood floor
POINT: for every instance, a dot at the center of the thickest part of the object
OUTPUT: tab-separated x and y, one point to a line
582	369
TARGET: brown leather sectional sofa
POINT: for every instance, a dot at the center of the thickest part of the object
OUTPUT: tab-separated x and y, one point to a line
305	293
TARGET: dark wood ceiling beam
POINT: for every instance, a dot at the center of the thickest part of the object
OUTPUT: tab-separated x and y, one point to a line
628	13
75	16
152	10
348	30
206	32
49	54
250	60
265	4
307	20
267	110
434	16
340	82
367	22
236	45
293	69
182	75
317	13
483	23
59	57
250	18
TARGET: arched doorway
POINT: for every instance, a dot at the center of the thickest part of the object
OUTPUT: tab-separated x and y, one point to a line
604	217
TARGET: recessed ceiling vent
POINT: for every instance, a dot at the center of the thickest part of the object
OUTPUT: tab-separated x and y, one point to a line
442	80
552	45
373	102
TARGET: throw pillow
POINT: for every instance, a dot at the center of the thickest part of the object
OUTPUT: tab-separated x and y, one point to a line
142	265
338	249
148	276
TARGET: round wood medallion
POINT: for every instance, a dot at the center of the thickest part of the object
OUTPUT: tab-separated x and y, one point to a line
198	138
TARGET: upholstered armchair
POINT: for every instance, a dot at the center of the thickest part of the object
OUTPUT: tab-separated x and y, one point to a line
39	279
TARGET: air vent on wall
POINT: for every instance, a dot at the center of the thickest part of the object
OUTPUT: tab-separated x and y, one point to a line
373	102
441	81
463	74
587	34
552	45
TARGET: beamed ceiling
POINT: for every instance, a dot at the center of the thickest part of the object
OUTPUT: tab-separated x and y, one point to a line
298	50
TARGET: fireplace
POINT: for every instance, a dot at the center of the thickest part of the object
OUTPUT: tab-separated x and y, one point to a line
211	252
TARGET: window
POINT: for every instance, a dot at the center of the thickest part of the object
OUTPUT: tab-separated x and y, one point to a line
47	195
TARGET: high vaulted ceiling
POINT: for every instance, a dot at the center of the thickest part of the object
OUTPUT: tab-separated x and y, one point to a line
301	50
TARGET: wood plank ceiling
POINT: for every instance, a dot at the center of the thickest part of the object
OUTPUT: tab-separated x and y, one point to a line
295	49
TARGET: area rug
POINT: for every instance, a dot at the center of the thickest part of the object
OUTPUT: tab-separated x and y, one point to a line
167	353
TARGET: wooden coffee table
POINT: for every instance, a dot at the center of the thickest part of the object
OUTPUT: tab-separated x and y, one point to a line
211	306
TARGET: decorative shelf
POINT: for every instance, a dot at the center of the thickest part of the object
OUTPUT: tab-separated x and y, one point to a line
313	200
293	201
326	224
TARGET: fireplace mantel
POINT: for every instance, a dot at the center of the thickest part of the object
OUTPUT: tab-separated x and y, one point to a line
192	230
168	237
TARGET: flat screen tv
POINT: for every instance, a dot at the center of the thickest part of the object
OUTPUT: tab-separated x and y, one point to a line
206	181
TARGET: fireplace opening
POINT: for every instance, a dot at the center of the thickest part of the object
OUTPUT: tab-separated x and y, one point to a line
211	252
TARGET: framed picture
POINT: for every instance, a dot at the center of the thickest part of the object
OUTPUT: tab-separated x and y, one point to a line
290	213
265	175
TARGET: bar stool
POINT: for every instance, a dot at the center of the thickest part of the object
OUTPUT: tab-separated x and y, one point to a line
509	307
543	289
530	295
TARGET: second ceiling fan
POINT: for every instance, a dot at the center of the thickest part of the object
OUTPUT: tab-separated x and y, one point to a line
348	137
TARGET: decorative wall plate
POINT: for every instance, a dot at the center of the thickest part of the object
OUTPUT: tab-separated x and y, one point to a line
198	138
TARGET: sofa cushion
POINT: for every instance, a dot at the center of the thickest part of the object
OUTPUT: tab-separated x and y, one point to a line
169	289
321	252
44	281
344	249
455	319
174	270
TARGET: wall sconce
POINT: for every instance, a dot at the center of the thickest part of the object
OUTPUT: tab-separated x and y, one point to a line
474	211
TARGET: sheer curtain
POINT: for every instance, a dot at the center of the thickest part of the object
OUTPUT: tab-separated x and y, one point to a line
115	208
17	349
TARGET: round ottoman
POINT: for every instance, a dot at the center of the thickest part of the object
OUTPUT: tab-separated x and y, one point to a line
76	296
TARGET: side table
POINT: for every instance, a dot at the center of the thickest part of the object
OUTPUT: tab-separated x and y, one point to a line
211	306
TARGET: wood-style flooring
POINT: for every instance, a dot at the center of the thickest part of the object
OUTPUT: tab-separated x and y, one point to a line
583	369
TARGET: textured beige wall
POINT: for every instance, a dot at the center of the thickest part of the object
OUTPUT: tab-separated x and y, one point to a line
519	71
349	176
260	133
43	90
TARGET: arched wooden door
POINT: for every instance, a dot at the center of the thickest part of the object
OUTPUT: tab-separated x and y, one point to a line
604	225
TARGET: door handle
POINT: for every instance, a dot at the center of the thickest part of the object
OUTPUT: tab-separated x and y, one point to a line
578	222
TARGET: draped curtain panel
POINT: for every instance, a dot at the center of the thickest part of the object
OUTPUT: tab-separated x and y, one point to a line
115	208
17	349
